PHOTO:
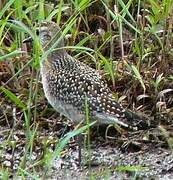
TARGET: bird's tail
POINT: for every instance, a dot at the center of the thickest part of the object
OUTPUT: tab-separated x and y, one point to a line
136	121
131	120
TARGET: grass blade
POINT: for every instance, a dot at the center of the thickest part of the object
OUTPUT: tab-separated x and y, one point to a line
6	7
13	98
10	55
138	76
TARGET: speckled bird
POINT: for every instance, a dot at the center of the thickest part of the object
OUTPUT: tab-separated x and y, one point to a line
67	83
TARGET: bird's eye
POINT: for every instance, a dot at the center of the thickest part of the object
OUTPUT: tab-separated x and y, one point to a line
37	32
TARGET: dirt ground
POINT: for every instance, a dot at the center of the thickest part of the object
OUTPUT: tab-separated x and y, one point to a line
142	154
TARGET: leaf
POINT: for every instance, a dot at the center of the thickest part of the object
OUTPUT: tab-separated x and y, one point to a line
138	76
116	16
6	7
130	168
13	98
10	55
162	93
109	67
142	96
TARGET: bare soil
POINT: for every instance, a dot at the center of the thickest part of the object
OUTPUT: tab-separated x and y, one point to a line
141	154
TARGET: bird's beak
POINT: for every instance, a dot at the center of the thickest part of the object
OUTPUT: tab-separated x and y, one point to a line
29	39
13	22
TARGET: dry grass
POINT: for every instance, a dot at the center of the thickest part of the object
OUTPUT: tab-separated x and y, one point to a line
130	43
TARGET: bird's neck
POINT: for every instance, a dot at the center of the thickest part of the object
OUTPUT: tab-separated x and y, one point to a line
60	59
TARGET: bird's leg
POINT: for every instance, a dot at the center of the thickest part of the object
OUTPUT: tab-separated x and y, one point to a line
79	144
79	138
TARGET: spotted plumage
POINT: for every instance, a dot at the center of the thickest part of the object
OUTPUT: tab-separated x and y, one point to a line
68	82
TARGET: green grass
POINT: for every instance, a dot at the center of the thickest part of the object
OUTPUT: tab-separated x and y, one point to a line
134	54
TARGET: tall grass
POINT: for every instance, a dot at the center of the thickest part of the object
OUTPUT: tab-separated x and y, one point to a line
29	126
142	69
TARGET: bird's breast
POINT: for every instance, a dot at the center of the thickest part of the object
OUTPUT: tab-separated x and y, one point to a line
55	97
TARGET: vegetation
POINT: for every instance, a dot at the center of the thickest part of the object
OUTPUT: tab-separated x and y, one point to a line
128	42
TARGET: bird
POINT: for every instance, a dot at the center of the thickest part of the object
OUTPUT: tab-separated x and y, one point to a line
68	84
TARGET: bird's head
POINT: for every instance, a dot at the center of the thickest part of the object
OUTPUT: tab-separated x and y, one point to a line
49	33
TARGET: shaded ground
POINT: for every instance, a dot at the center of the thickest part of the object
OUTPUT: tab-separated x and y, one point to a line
148	148
146	151
158	163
